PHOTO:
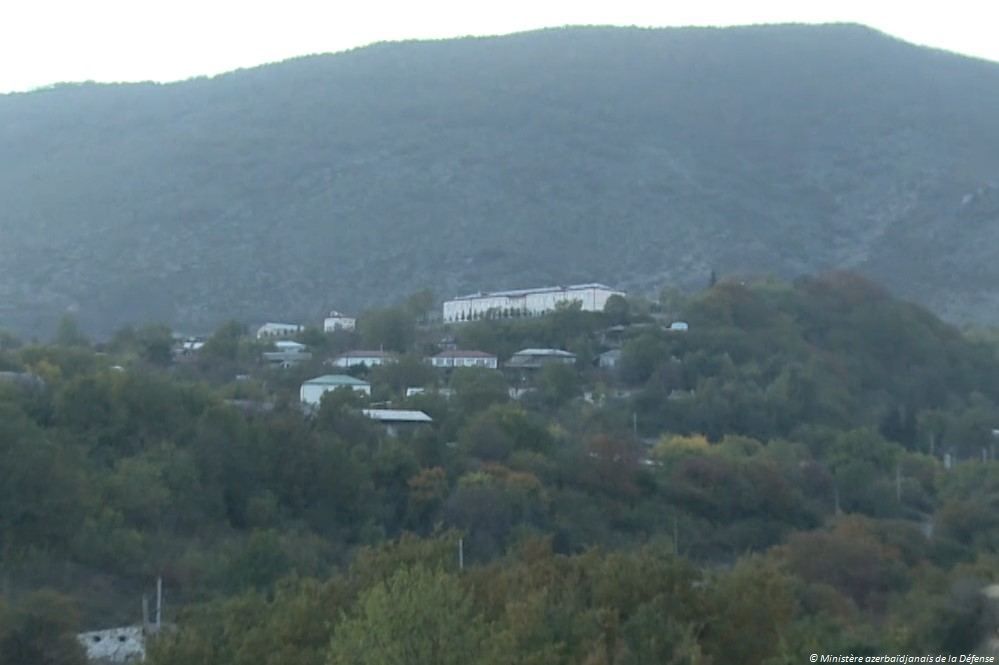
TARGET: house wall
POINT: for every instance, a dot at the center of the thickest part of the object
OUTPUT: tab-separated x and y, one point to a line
313	393
278	331
338	323
355	361
490	363
115	645
592	299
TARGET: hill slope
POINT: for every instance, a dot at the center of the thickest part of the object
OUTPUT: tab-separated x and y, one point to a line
635	157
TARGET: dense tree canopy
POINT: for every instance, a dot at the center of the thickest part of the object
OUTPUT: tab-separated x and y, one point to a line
809	464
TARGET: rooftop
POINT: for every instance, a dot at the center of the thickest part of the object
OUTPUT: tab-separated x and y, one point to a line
272	324
335	380
397	416
545	352
457	353
525	292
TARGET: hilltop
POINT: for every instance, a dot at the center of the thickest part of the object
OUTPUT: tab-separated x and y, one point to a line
628	156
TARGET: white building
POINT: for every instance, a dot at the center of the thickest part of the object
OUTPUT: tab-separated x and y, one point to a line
398	420
279	330
537	358
456	358
312	391
609	359
526	302
338	321
115	645
366	358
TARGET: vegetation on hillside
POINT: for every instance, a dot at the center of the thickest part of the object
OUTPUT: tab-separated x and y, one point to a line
811	467
633	157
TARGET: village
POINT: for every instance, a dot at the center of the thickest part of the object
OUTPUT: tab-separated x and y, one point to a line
349	372
348	369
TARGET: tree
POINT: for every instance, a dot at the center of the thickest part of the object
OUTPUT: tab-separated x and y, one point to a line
41	631
68	332
408	371
617	310
224	342
390	328
476	388
558	383
8	341
417	616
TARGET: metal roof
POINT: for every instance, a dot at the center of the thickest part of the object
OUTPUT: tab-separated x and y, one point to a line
526	292
397	416
545	352
335	380
456	353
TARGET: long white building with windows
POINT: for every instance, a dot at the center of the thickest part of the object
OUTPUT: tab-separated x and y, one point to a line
526	302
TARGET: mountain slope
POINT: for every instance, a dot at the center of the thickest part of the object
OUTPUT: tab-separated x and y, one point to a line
635	157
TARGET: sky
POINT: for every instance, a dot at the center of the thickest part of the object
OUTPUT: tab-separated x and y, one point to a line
49	41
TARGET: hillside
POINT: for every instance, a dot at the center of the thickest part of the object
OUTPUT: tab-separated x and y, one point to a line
811	465
634	157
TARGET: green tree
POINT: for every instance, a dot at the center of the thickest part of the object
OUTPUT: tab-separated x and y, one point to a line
617	310
41	630
417	616
224	342
389	328
68	333
476	388
558	383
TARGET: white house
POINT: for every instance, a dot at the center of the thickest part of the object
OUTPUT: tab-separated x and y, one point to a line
338	321
456	358
279	330
396	420
366	358
679	326
115	645
414	391
312	391
526	302
609	359
288	354
536	358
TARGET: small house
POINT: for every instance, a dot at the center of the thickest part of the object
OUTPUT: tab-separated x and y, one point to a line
312	391
272	330
397	421
609	359
288	354
538	358
338	321
114	645
366	358
457	358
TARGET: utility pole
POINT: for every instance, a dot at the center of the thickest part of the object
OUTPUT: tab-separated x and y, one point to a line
898	482
461	554
676	537
159	603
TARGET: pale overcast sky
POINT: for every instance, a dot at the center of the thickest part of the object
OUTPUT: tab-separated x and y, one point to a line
48	41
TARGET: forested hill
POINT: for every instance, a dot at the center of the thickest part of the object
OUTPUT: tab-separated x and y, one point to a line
634	157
